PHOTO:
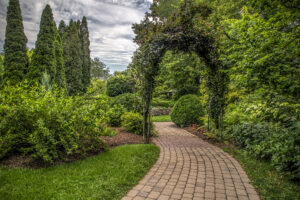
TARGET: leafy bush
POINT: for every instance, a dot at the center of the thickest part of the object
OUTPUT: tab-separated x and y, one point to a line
97	87
157	102
119	84
279	145
49	125
115	114
187	110
126	100
133	122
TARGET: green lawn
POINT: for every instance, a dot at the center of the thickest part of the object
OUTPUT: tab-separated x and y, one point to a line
107	176
269	183
162	118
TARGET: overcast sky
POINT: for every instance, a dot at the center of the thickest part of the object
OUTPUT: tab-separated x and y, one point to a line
109	24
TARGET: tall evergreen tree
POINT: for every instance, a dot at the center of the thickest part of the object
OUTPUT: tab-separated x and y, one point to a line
62	28
60	76
1	67
15	57
86	53
43	59
72	57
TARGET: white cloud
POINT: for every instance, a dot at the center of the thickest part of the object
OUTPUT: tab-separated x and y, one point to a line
109	24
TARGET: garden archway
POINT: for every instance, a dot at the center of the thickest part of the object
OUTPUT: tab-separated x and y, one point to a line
185	31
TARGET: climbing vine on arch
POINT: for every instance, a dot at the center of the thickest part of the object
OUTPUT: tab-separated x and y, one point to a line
187	30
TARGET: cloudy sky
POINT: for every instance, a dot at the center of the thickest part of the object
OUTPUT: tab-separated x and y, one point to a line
109	24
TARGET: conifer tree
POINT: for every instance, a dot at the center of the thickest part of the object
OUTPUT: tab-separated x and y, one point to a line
62	28
72	57
86	60
60	76
15	57
43	59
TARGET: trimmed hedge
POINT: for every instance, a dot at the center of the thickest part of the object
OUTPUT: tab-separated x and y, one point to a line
187	111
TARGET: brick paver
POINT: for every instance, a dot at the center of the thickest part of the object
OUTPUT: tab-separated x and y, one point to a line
190	168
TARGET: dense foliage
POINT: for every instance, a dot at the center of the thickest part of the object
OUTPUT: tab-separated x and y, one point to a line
44	58
126	100
48	125
180	74
15	57
60	74
281	146
158	102
254	47
1	68
187	110
155	36
119	84
86	60
73	60
115	114
97	87
133	122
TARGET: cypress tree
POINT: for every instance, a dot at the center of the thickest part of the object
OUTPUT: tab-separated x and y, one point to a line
15	57
60	76
72	57
86	60
62	28
43	58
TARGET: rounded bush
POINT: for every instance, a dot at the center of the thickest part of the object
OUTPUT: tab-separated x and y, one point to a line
187	110
126	100
133	122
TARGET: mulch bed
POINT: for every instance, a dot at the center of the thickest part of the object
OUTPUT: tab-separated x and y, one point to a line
199	131
121	138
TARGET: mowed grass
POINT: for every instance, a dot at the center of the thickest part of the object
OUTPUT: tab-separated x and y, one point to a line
107	176
162	118
269	183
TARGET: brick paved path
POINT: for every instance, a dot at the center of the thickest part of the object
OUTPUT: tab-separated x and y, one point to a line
190	168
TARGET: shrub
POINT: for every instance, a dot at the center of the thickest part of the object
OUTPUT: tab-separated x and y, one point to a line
272	142
119	84
133	122
187	110
97	87
126	100
115	114
157	102
49	125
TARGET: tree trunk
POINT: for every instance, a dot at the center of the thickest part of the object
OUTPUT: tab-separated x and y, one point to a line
149	115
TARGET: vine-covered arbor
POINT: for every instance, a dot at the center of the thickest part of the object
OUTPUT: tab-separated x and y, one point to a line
186	30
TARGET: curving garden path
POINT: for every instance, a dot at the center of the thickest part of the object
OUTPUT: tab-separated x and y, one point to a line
190	168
